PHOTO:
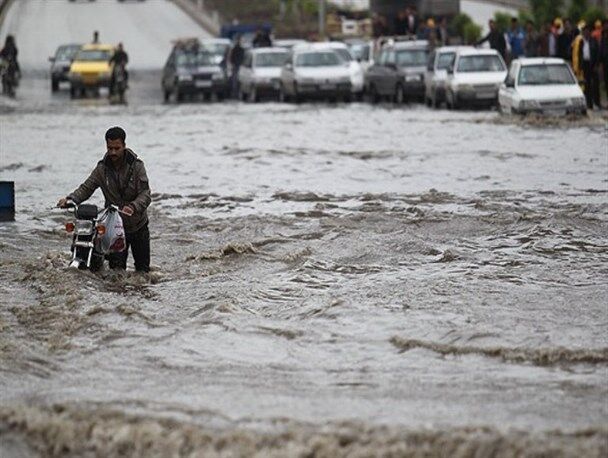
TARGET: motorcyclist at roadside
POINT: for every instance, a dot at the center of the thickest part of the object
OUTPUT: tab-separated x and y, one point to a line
9	54
120	58
122	177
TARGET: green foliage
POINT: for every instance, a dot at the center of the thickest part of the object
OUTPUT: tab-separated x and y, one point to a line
593	14
459	23
503	21
525	16
545	11
472	33
577	9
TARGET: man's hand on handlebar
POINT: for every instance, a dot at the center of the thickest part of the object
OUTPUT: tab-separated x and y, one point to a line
63	203
127	210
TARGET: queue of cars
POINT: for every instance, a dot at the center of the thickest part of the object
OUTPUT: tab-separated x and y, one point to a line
459	76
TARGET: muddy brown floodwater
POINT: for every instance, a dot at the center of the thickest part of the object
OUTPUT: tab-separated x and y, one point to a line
328	281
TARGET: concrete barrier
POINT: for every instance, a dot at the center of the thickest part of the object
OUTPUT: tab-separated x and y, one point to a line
208	20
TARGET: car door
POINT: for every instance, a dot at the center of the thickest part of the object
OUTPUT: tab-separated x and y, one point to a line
507	93
373	76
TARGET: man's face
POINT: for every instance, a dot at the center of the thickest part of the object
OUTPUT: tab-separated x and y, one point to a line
116	150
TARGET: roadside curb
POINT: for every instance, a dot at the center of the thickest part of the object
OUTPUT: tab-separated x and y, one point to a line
197	15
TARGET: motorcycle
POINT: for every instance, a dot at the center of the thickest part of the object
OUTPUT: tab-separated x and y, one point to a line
117	91
8	75
95	234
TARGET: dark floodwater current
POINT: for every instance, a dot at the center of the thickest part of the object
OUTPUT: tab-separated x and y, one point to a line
328	281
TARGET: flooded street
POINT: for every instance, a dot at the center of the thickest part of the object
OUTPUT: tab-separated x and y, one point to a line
328	280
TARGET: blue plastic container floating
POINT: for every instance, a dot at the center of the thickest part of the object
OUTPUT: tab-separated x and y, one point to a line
7	201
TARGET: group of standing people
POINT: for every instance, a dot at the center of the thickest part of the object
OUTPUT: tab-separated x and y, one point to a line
408	23
586	50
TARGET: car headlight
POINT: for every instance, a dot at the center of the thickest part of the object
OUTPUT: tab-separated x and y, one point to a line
529	104
184	77
578	102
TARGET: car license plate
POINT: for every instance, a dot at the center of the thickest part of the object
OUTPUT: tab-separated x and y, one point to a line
328	87
202	83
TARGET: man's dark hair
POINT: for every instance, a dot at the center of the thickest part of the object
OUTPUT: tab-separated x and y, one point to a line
116	133
513	20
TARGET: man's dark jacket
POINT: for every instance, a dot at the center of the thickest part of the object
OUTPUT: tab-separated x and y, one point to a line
497	41
126	186
594	52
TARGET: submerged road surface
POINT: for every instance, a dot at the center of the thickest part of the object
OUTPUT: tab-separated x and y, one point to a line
329	281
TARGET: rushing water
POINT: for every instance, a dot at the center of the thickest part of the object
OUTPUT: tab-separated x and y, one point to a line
328	281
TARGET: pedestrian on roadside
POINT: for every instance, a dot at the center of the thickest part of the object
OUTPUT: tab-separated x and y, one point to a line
235	58
554	31
9	53
95	38
590	58
119	59
604	54
442	32
564	42
496	39
122	177
531	41
516	37
577	65
262	39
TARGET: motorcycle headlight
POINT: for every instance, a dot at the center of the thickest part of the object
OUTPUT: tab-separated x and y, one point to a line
184	77
83	227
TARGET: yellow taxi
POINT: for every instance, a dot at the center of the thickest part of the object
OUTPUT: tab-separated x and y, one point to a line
91	68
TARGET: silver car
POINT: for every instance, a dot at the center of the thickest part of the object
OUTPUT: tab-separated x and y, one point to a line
260	74
315	73
436	74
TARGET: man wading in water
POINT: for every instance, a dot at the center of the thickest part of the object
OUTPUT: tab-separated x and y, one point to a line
121	175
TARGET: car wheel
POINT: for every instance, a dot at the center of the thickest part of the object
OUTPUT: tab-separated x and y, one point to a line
166	94
54	85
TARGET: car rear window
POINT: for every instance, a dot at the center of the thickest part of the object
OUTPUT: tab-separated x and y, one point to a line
536	75
480	63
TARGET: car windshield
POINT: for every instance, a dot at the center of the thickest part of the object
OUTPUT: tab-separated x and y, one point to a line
446	59
192	59
360	52
66	52
318	59
219	49
412	58
91	55
344	54
480	63
535	75
274	59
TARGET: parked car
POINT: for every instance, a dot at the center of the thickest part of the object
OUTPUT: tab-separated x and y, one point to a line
399	72
356	71
362	51
541	85
315	73
191	70
260	74
90	69
474	78
437	74
61	63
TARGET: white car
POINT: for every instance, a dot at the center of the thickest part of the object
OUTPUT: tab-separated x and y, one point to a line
356	70
437	74
260	74
541	85
474	78
315	73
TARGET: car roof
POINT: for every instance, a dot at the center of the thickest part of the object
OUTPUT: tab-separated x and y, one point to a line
540	61
70	45
269	50
329	45
98	47
447	49
470	51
